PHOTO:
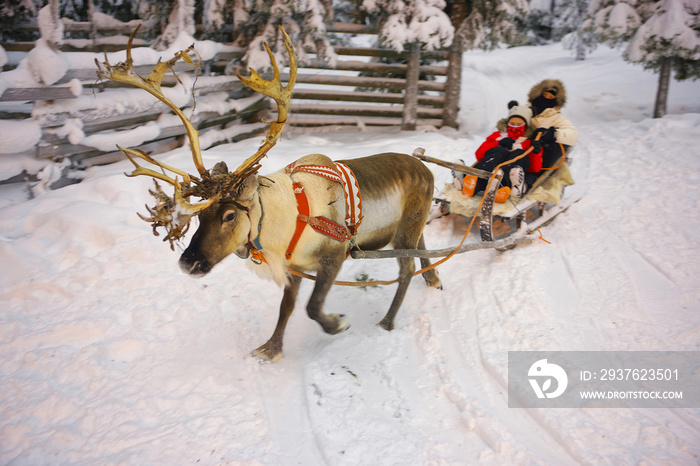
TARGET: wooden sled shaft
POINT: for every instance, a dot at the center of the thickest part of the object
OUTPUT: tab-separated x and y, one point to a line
433	253
452	165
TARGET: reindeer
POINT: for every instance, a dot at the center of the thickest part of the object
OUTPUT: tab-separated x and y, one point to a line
265	219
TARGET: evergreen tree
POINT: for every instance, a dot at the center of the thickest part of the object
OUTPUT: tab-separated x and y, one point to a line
568	15
539	22
662	35
12	13
411	22
581	41
615	21
181	20
552	20
257	21
488	23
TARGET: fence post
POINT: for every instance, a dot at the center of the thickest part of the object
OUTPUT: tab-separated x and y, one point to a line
410	96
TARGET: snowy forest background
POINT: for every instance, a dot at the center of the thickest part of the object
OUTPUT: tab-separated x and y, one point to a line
658	34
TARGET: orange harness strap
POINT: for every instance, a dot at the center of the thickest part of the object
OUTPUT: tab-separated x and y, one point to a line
320	224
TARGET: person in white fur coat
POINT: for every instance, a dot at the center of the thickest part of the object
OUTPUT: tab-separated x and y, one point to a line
556	132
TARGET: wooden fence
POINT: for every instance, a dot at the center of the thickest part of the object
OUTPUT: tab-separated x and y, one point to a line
323	96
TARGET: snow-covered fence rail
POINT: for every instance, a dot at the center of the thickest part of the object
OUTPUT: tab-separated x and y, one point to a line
71	84
80	118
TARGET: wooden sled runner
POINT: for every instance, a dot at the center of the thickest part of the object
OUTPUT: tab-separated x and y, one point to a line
508	220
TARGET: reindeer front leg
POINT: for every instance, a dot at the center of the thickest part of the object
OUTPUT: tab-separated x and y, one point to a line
272	350
331	323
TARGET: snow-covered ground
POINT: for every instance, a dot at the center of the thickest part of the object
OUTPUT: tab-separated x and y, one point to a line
110	355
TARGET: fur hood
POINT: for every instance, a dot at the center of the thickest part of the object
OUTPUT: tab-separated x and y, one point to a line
555	84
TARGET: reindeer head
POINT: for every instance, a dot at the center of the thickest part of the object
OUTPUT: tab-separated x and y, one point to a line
224	195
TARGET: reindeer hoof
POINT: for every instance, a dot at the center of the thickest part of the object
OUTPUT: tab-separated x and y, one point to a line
432	279
333	324
336	323
387	325
436	284
268	353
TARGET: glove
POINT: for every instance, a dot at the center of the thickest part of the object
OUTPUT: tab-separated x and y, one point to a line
536	146
543	133
549	135
506	142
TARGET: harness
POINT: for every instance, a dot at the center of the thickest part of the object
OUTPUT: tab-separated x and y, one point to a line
341	173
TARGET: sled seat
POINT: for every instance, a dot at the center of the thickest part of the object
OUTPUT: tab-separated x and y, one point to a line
548	190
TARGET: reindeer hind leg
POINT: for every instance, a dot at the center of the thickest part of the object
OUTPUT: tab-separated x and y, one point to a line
406	268
430	276
408	236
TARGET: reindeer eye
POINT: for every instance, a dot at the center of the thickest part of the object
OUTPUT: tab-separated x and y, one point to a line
229	216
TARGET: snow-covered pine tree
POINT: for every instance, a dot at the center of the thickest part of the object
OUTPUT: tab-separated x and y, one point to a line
215	16
490	22
615	21
13	13
180	21
539	21
574	37
663	35
567	17
45	62
551	20
668	41
304	20
318	14
411	22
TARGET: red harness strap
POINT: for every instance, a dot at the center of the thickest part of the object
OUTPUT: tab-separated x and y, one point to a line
320	224
342	174
353	200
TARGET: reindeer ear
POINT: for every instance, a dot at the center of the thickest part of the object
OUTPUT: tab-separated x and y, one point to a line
246	190
220	169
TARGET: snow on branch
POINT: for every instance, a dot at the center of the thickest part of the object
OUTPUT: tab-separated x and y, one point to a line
415	21
667	33
181	21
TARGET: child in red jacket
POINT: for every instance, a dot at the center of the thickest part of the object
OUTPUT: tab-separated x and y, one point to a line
508	142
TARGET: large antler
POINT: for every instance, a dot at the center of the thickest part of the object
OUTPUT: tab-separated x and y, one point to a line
281	95
174	213
124	73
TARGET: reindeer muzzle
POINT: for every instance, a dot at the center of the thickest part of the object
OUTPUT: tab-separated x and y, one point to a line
193	266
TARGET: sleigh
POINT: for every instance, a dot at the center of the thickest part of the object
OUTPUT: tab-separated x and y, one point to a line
503	225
